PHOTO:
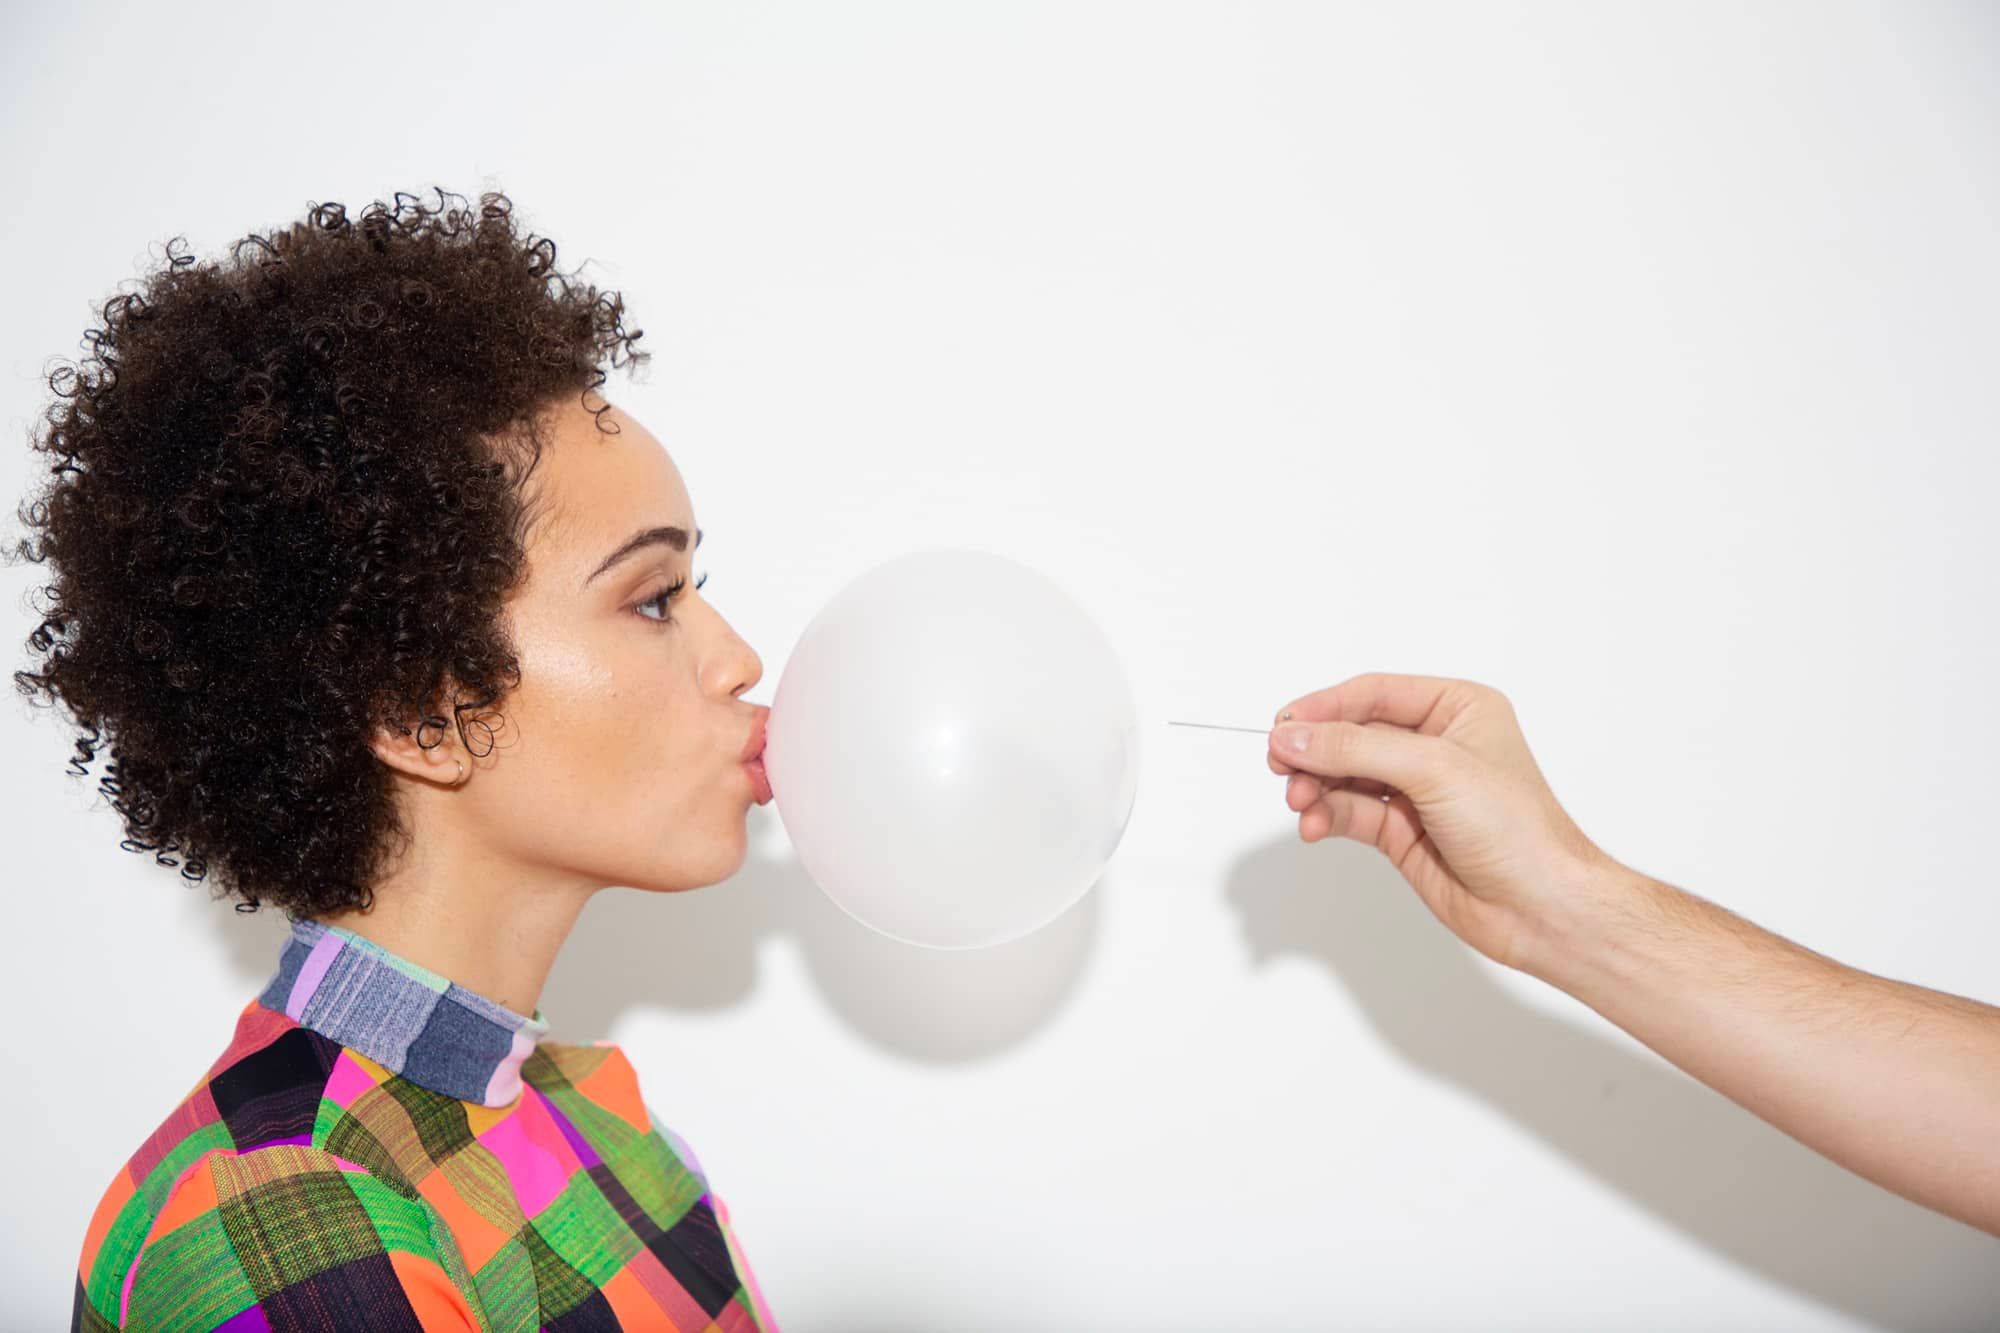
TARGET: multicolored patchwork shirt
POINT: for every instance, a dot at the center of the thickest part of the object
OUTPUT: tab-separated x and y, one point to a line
380	1148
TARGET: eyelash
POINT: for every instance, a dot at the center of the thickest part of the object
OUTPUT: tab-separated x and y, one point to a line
664	599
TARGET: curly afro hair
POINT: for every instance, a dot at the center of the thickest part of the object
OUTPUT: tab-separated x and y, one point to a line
285	510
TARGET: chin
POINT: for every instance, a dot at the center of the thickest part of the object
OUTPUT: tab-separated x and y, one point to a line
720	859
680	884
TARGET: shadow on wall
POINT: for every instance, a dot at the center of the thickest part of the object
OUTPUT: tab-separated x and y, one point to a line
1718	1174
698	951
1723	1177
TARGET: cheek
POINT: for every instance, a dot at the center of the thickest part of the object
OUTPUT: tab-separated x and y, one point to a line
614	742
642	728
570	697
593	715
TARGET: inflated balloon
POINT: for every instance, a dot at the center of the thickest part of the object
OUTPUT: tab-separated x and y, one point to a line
953	749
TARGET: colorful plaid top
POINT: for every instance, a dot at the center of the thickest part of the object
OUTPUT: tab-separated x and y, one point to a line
380	1148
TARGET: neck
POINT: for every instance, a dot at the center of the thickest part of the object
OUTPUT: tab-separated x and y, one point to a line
480	919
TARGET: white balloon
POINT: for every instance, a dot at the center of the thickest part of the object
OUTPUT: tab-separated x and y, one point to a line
953	749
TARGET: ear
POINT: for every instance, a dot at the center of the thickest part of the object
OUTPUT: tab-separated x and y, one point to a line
441	760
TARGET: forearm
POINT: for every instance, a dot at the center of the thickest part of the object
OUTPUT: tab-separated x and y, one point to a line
1898	1083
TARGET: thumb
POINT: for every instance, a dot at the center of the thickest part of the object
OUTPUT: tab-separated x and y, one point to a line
1405	760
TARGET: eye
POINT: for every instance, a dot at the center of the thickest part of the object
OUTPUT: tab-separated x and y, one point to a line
664	600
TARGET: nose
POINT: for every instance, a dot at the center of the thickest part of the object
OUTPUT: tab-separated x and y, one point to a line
750	667
738	661
749	677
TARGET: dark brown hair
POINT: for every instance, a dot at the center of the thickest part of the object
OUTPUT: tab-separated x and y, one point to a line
284	509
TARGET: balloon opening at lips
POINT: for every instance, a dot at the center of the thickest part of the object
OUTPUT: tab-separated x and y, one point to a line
953	749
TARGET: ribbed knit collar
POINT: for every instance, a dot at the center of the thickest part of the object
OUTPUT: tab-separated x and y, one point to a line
406	1018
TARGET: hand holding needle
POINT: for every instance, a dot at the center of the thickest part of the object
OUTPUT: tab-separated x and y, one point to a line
1896	1082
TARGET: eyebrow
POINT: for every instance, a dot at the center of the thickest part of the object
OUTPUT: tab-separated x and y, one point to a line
667	535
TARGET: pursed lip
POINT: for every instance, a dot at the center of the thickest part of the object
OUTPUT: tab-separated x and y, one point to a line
754	747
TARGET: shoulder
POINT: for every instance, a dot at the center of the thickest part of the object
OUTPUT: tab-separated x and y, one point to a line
285	1226
596	1071
600	1073
265	1087
243	1125
667	1186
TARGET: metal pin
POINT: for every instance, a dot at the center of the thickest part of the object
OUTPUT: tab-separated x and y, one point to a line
1261	731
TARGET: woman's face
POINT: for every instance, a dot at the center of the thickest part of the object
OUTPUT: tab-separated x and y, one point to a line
620	757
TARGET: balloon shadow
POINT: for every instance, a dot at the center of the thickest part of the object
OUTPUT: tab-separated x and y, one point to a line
1715	1172
699	951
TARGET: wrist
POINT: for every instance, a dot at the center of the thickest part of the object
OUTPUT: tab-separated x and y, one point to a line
1591	926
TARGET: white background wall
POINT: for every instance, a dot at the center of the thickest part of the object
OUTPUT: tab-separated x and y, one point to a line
1637	360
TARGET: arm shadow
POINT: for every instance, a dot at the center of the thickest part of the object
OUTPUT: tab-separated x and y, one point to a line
1721	1176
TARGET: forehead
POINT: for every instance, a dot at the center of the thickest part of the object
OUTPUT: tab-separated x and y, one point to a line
594	489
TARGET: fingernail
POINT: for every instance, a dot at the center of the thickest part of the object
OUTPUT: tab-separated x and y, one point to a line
1293	738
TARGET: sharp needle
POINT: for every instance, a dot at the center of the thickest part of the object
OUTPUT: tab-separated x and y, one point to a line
1260	731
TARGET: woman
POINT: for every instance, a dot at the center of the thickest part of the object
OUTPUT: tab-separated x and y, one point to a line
385	618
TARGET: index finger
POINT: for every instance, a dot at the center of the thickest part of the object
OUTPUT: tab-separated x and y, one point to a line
1383	696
